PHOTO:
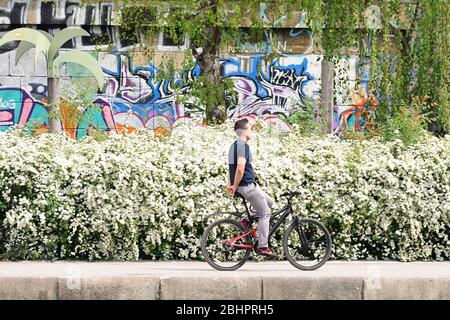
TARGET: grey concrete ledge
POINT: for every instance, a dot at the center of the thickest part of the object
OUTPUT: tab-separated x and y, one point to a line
196	280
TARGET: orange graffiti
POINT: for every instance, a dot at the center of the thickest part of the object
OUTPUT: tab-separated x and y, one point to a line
362	108
161	131
69	117
122	129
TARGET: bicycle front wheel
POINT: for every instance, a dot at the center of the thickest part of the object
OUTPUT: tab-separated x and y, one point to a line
307	244
218	253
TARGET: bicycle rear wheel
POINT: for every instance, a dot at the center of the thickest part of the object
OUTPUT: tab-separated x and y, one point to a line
217	253
307	244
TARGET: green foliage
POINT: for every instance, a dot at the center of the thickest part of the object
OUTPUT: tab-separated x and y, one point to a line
307	119
80	95
77	101
406	57
408	123
209	97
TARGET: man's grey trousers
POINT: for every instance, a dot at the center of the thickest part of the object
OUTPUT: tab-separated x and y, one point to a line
261	203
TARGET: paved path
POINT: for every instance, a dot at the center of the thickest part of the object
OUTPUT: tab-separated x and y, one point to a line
197	280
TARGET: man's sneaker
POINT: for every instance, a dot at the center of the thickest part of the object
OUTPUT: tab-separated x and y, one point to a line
265	251
245	223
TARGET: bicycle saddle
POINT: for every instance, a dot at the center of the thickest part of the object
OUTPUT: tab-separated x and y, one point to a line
290	193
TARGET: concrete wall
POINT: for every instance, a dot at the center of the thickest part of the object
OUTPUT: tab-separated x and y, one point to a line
189	280
222	288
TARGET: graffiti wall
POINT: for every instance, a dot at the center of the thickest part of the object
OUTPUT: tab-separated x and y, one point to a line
135	97
17	107
280	87
139	99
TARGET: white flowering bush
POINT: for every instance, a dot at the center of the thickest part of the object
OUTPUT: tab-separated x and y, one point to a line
145	197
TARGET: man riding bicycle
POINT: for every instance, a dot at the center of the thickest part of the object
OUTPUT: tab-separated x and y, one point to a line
243	180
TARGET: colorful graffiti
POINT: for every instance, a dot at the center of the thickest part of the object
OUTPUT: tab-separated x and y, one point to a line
277	91
358	118
139	99
18	108
136	98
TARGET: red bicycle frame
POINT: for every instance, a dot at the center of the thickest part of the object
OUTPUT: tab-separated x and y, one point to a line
232	241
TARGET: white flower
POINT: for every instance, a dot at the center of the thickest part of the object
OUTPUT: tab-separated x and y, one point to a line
138	195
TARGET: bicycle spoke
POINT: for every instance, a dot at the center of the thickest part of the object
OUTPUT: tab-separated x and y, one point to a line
307	245
218	245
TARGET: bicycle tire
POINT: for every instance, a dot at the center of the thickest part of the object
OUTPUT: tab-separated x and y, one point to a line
290	239
209	257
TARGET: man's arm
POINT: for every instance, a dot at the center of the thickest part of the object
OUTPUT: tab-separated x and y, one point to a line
239	171
240	165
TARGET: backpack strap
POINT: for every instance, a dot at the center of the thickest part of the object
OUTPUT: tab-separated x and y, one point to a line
247	148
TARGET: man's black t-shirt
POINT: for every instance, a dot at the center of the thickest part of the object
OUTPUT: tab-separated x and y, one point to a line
239	148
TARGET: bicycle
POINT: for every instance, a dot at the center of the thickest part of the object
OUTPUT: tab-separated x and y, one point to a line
227	244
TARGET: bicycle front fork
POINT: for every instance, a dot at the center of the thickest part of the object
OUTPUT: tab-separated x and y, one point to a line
301	233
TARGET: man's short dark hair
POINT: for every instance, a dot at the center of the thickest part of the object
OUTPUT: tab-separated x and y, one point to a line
240	124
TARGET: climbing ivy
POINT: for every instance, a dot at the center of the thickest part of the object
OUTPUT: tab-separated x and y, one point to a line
403	43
